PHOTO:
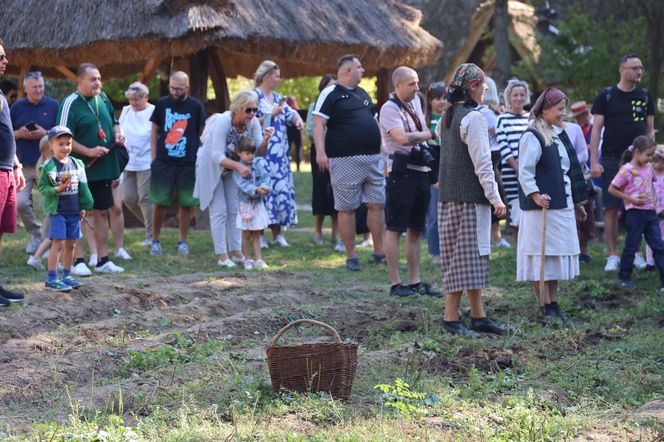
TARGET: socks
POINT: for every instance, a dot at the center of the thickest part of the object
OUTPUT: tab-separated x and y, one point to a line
102	260
52	275
65	273
79	260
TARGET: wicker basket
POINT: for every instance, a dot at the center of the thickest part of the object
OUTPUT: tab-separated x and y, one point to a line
303	368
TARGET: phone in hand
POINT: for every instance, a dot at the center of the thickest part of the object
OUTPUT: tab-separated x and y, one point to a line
31	126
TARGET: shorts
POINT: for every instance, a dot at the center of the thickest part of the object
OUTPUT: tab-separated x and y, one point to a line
102	193
65	226
407	200
515	212
611	167
7	202
355	180
172	183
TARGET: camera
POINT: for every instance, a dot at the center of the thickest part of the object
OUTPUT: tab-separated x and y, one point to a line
421	155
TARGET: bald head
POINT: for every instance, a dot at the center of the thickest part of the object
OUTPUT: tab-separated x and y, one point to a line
178	85
406	83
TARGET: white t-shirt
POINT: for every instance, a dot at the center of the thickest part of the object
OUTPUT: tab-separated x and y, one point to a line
491	119
136	128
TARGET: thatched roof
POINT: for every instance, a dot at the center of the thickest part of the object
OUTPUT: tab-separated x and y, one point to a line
303	36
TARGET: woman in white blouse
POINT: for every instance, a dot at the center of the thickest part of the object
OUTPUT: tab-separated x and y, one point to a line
215	187
135	124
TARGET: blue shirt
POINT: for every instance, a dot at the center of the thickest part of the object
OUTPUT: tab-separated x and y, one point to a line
68	203
43	114
7	143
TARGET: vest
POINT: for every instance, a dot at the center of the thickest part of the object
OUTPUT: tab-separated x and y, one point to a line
549	177
457	178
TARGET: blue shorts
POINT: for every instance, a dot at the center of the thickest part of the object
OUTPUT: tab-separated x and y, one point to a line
65	227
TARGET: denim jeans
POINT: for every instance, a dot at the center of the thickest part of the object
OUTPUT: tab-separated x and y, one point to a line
641	222
432	224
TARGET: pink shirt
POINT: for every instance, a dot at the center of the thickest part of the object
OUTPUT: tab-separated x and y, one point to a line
659	193
636	182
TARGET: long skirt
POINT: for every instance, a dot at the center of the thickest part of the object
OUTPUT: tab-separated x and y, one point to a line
463	267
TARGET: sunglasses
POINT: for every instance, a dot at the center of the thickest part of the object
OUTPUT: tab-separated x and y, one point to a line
251	110
33	74
3	57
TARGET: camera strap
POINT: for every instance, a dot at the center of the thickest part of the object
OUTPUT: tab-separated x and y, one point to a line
406	109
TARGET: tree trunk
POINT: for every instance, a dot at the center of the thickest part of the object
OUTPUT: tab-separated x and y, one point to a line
656	41
503	69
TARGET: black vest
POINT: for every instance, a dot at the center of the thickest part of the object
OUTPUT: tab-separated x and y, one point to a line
549	177
457	178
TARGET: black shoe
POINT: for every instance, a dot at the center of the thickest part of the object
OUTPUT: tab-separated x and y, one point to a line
401	290
585	258
650	268
627	284
549	313
353	264
559	313
4	302
11	295
422	288
486	325
377	259
458	328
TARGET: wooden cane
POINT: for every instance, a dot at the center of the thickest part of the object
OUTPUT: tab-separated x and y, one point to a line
542	249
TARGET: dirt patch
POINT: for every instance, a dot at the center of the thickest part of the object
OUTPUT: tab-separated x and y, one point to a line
457	367
615	298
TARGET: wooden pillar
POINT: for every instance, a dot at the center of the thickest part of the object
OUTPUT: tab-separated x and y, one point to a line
149	69
198	75
218	76
21	76
383	86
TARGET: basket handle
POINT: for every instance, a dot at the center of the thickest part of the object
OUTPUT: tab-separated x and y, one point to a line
329	328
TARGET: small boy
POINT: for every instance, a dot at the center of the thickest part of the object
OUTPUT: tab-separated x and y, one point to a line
66	196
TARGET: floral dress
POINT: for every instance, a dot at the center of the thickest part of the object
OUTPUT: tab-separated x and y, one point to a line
280	203
658	184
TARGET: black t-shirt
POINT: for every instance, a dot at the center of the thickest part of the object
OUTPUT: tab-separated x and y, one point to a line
7	142
625	115
351	127
180	126
68	199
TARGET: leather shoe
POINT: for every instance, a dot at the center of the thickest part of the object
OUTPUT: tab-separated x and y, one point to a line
401	290
486	325
458	328
11	295
423	288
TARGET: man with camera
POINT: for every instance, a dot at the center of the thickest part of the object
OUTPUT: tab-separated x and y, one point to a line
408	186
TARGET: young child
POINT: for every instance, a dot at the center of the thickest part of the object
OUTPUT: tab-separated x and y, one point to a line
36	259
658	181
66	196
634	185
252	216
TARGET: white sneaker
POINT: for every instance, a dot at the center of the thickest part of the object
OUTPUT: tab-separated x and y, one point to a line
147	242
122	254
81	269
33	245
639	262
109	267
264	244
339	246
237	259
92	262
281	241
260	264
612	263
248	264
365	244
35	263
502	243
226	263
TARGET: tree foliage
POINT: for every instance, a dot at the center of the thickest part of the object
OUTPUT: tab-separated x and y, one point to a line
583	58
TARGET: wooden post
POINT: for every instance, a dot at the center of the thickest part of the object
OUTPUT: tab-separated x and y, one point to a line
383	86
68	73
150	66
21	76
218	76
198	75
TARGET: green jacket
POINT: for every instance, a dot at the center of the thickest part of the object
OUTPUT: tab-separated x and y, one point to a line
48	183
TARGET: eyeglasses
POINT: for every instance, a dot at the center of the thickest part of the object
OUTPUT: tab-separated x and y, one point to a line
33	74
176	89
251	110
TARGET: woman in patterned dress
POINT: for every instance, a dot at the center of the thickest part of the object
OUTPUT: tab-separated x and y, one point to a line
274	112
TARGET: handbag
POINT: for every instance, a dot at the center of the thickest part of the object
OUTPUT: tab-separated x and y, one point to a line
123	155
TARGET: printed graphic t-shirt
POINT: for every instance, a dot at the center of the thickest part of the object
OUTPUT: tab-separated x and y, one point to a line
67	199
180	127
636	182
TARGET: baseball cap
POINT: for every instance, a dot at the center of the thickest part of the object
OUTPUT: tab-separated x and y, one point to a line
58	131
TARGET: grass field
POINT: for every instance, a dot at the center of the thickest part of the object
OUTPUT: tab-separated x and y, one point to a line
174	350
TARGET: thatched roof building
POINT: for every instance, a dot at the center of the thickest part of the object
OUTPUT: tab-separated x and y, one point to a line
304	36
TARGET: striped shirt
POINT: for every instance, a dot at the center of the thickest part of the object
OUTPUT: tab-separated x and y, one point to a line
509	129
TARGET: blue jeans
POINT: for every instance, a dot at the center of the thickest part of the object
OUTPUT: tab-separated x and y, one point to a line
638	223
433	244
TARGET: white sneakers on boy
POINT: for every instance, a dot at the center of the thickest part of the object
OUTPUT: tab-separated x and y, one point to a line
639	262
612	263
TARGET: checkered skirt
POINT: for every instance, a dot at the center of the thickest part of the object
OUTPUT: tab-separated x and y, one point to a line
462	266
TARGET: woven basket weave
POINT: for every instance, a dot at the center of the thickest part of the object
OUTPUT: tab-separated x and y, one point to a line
328	367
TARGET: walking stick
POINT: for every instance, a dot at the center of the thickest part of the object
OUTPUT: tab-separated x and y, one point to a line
542	249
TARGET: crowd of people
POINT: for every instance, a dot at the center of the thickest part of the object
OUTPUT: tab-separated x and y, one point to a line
448	164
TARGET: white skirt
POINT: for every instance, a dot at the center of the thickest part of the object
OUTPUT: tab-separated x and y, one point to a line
561	253
259	221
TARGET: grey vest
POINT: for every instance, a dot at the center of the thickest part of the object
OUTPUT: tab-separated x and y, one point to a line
457	178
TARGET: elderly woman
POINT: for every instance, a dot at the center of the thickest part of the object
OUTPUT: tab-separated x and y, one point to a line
550	177
217	158
136	126
467	191
274	112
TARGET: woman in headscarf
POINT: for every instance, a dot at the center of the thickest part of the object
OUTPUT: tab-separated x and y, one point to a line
549	177
467	191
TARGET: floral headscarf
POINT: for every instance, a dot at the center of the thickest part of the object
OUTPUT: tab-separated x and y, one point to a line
466	76
550	97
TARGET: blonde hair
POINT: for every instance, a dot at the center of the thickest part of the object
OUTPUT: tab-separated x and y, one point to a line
44	151
242	99
265	68
541	126
491	94
515	82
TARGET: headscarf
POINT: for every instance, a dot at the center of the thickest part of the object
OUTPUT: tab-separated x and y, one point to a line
466	76
549	98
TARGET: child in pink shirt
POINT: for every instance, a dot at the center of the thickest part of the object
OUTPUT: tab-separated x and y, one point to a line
658	181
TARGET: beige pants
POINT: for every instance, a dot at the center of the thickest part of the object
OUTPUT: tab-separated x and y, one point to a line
24	202
136	196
